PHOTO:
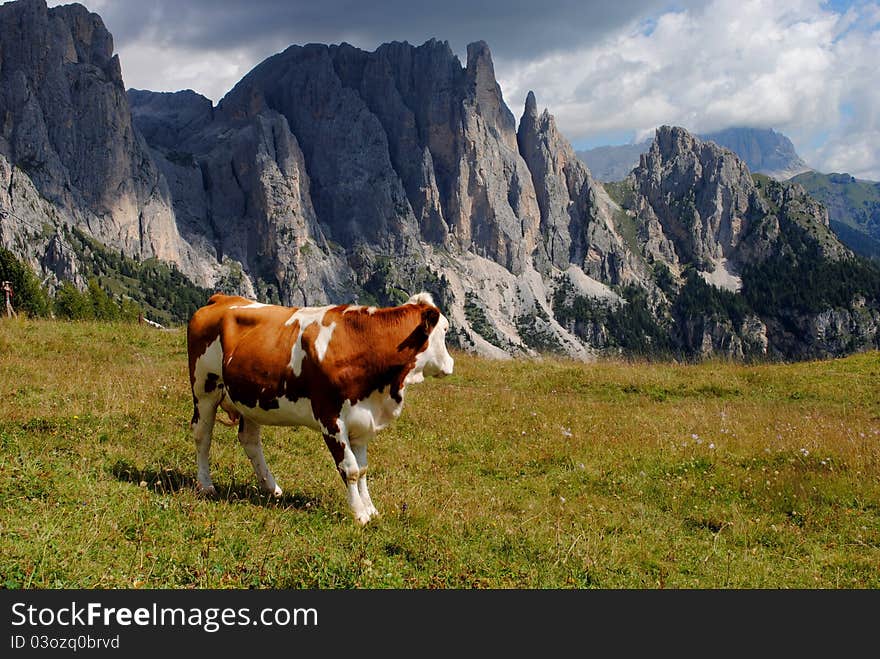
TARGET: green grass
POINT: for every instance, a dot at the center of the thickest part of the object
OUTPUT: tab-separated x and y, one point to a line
509	474
853	207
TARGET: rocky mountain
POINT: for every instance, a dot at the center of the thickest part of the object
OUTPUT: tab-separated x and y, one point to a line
329	173
764	151
576	214
67	128
754	265
853	208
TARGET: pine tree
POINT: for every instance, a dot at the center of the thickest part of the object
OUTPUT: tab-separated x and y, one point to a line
30	298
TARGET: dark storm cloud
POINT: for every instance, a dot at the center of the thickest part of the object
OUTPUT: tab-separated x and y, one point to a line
514	30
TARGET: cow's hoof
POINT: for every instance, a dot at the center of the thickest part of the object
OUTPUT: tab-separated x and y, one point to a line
362	519
277	492
208	492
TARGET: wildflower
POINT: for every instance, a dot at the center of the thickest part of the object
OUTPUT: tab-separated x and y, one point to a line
566	432
712	445
695	436
804	452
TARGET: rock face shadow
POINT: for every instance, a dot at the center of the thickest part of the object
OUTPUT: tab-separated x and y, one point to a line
169	480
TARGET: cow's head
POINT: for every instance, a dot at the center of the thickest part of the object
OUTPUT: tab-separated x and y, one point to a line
435	359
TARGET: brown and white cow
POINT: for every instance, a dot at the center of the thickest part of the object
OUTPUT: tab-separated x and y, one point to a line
340	370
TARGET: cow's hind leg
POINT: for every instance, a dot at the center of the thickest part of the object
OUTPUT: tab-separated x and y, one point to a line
249	436
204	413
360	454
347	465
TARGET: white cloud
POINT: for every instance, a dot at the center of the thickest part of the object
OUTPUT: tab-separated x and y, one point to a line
791	65
211	73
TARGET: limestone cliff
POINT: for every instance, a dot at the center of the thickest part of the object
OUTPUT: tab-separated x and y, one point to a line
67	127
577	218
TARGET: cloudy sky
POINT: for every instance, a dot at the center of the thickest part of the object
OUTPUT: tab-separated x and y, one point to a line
609	71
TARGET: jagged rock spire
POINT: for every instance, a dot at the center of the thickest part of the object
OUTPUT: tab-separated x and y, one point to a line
531	105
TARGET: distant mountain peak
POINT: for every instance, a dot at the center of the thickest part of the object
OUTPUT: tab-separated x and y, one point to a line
764	150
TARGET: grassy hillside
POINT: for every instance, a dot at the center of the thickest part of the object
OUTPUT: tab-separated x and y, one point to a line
853	207
511	474
160	290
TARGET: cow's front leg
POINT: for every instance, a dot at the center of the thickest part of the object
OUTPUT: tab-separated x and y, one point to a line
249	436
360	454
348	468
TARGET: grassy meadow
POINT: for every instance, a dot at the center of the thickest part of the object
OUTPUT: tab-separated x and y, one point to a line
516	474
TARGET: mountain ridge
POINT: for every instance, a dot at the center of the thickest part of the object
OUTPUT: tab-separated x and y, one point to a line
329	174
853	206
764	150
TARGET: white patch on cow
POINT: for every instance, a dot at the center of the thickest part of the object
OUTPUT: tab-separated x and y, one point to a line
423	298
288	413
211	361
370	415
252	305
323	340
434	360
306	316
297	354
360	307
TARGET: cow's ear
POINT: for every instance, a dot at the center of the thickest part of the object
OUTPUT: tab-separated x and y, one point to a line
430	317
